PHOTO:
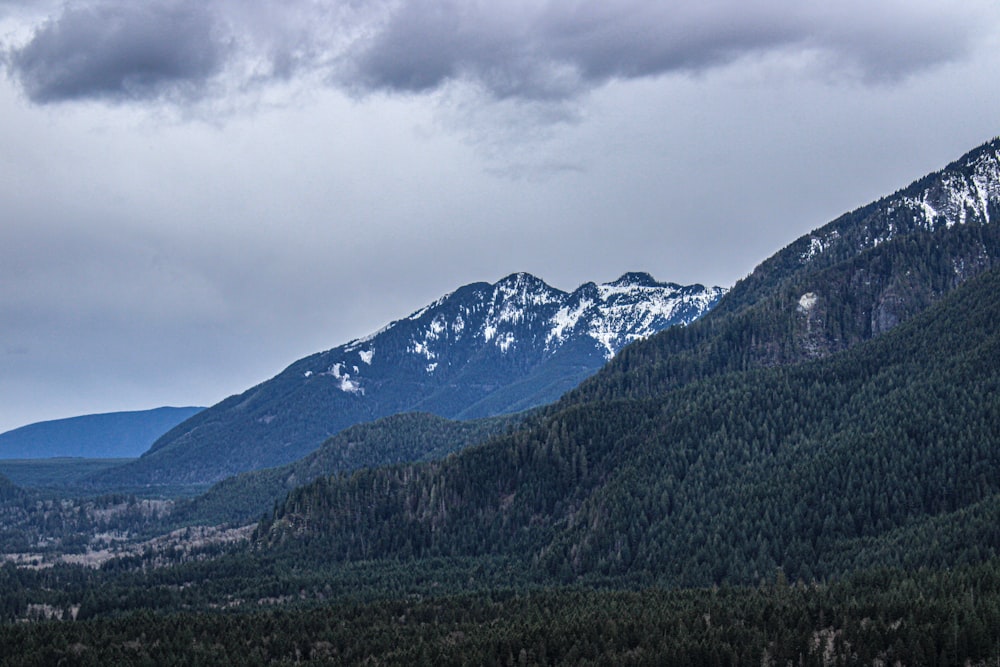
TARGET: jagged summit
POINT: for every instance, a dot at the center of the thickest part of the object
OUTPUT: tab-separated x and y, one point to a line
637	279
522	281
482	350
519	313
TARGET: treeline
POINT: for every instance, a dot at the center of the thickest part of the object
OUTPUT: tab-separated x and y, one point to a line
874	617
57	475
230	577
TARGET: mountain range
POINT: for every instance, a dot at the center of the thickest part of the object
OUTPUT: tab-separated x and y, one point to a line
838	407
108	435
485	349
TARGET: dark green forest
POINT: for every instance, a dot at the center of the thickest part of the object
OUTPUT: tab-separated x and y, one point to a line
56	512
875	617
8	489
55	474
404	438
855	300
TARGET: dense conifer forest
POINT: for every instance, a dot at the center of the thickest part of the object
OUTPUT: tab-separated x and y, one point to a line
943	617
403	438
841	511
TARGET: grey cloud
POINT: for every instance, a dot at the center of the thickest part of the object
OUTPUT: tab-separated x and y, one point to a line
561	48
517	49
552	50
120	51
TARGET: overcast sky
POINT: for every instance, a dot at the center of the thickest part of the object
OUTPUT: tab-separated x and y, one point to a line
196	193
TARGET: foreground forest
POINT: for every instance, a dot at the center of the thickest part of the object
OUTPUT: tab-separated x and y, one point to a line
874	617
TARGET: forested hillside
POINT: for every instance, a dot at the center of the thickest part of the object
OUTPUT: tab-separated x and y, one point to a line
403	438
965	193
840	402
803	467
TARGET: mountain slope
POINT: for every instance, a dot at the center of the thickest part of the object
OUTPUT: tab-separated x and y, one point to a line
803	467
481	350
966	192
842	284
402	438
109	435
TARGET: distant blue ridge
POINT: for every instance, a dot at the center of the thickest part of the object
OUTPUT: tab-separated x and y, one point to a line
108	435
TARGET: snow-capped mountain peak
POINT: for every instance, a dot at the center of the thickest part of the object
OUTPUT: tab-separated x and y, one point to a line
517	323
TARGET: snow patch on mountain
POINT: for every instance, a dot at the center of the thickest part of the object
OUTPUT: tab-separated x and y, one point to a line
957	196
347	384
566	319
818	245
524	289
355	344
421	348
807	301
506	341
611	314
420	313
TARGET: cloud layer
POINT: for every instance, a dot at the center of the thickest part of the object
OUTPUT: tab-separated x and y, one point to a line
120	50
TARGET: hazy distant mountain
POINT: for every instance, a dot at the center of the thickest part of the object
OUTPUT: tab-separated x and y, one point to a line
482	350
109	435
